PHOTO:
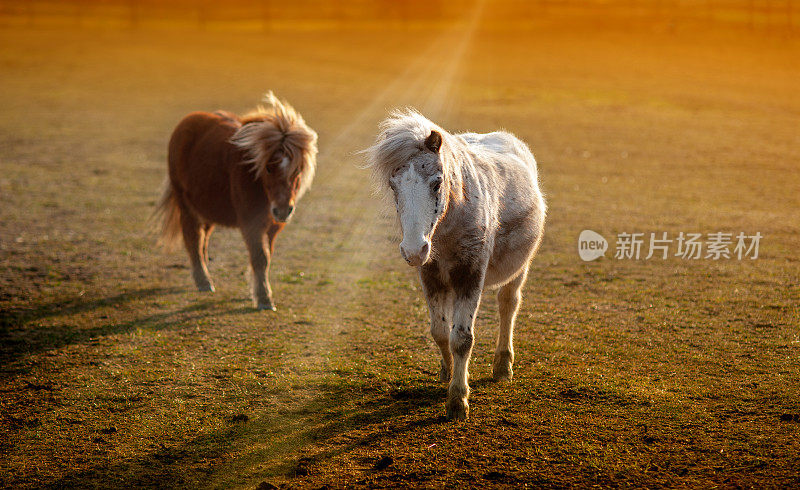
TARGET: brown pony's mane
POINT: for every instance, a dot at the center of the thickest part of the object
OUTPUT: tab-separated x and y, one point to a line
278	127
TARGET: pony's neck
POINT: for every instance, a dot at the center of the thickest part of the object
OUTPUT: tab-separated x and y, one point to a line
452	162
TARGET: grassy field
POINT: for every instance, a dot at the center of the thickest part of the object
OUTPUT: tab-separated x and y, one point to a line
116	373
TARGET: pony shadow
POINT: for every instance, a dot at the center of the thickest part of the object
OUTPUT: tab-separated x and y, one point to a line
21	334
81	304
243	310
277	441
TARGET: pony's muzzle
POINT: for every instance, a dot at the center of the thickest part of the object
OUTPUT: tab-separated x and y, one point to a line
282	213
419	256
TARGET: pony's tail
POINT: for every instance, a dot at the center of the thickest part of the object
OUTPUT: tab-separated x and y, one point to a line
168	213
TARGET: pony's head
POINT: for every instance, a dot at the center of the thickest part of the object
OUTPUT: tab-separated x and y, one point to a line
411	157
282	152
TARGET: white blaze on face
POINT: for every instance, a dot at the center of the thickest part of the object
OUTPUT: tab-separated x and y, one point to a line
282	202
419	209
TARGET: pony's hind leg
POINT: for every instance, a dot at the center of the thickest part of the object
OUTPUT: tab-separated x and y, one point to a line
206	236
509	298
259	262
440	308
195	240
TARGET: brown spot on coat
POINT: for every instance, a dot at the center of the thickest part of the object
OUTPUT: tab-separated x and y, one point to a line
466	279
432	279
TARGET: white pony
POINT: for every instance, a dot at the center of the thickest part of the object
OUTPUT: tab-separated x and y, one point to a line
472	217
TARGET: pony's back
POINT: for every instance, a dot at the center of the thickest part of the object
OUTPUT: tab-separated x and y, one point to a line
502	143
194	127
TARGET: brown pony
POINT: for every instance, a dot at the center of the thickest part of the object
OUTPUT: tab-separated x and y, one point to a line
246	172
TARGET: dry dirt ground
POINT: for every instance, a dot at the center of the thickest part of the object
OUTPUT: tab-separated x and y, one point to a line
116	373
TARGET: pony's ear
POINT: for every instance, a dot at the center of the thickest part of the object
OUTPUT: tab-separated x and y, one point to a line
434	141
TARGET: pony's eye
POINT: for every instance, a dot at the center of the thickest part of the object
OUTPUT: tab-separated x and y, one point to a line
436	184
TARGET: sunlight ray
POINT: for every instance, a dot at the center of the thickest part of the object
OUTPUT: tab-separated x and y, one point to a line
440	98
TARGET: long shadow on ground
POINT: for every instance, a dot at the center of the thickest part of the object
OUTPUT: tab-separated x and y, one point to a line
22	332
273	441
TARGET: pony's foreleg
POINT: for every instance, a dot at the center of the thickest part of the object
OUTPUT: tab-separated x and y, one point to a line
441	319
509	298
272	232
195	241
259	261
465	308
440	307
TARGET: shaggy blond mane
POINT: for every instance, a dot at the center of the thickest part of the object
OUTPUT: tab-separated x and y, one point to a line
402	136
278	126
